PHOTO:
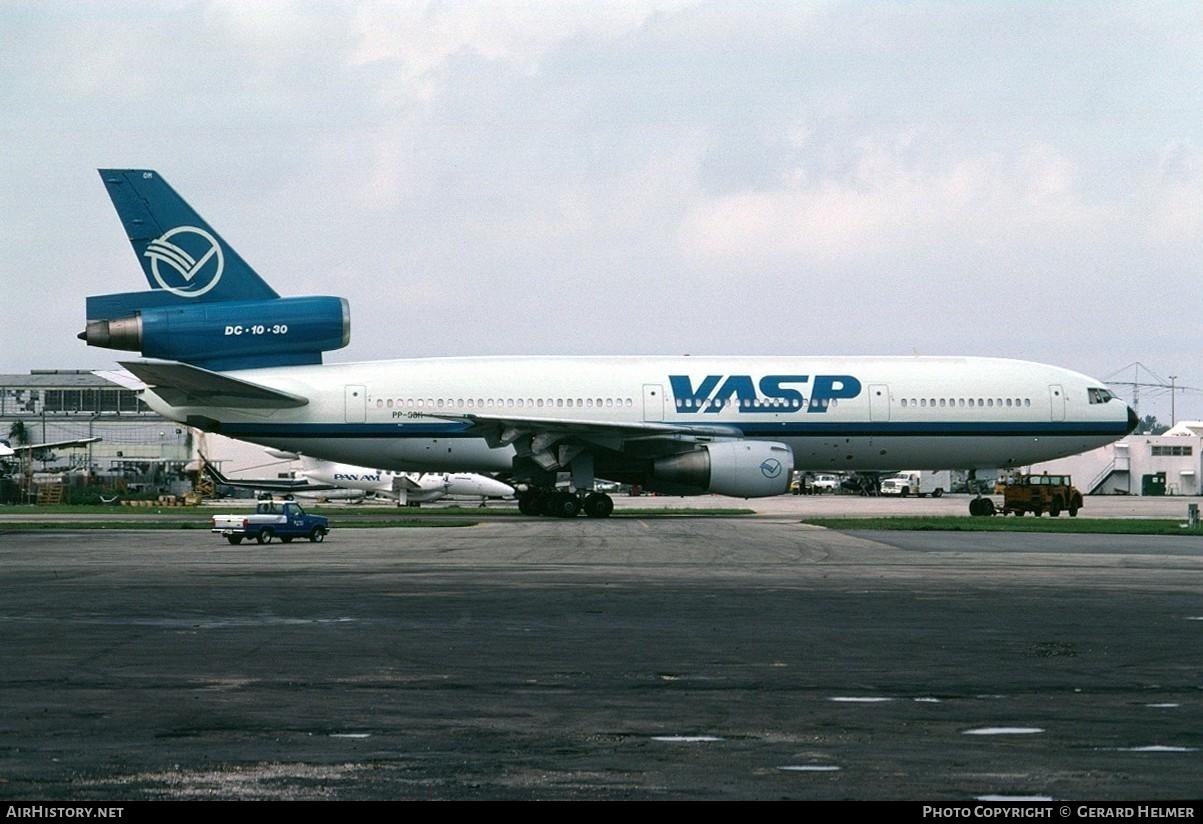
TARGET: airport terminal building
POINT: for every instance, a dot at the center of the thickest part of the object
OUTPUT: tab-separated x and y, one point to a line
1167	464
138	445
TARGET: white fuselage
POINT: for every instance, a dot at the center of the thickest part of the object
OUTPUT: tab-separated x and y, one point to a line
840	413
411	487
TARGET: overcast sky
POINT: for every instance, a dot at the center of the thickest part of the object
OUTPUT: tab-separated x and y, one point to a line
1013	179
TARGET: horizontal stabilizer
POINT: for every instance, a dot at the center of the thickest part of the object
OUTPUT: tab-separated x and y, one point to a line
182	385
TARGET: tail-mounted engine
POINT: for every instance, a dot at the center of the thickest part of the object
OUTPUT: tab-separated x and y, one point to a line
223	334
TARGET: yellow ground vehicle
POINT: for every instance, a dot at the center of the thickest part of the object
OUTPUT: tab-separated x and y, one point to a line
1037	494
1042	493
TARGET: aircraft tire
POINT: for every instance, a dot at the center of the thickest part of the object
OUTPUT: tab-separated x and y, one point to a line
565	505
598	505
981	507
546	501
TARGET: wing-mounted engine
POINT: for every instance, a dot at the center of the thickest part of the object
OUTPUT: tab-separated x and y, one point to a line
740	469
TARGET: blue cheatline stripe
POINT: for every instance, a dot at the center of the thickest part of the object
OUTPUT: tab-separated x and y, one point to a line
997	429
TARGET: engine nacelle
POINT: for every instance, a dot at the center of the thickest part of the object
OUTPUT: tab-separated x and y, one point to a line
740	469
230	334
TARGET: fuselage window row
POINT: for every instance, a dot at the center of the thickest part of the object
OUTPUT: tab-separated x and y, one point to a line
973	403
683	403
503	403
747	403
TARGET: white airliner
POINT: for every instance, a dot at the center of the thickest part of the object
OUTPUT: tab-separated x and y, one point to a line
236	358
406	487
317	476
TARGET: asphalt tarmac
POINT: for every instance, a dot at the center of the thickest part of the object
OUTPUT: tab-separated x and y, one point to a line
629	658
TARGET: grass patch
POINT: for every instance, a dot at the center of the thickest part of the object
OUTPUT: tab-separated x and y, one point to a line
150	522
965	523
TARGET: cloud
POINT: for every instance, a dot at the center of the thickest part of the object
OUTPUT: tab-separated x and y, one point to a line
888	206
1172	199
419	39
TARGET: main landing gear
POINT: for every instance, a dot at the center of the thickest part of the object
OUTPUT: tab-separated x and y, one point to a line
561	503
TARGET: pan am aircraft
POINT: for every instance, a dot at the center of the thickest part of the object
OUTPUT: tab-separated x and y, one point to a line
407	488
230	355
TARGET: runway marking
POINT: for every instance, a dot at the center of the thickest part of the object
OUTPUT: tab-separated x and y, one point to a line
1162	706
928	700
1003	731
350	735
686	739
1003	799
1154	748
868	699
810	768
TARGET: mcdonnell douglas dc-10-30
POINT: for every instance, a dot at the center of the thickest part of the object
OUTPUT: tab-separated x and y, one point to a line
232	356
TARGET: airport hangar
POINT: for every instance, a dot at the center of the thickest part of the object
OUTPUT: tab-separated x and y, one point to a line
138	446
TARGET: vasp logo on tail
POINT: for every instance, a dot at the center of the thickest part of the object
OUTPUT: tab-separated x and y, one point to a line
192	257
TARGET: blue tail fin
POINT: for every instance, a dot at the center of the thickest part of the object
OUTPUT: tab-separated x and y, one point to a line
205	306
179	252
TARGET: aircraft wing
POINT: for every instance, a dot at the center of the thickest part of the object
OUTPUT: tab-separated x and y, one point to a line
405	482
508	425
183	385
555	441
7	450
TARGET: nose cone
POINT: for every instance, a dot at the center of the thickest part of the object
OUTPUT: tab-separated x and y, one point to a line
496	489
1133	420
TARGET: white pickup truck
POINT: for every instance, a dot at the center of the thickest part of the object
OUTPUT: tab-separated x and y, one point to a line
284	520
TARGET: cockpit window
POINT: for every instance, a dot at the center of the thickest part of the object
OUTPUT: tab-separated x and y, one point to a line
1099	395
